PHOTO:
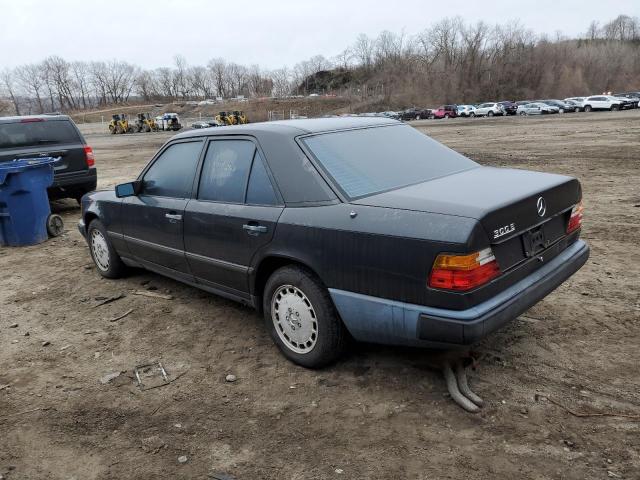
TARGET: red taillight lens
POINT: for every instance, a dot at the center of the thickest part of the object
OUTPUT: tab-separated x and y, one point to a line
89	156
463	272
31	120
575	222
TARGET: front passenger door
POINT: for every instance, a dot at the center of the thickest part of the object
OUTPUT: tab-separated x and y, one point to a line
153	219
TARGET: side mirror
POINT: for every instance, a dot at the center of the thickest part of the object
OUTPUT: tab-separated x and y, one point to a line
130	189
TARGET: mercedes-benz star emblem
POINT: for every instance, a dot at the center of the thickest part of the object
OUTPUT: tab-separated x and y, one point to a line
541	206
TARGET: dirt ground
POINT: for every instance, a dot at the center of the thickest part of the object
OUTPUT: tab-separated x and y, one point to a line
380	413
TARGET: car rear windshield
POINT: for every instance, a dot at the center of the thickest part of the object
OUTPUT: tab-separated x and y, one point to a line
36	133
372	160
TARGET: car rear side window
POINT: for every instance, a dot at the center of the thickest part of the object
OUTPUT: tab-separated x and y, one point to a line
225	171
171	175
260	190
370	160
35	133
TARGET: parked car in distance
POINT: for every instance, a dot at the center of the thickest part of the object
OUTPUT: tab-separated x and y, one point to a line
51	136
204	124
510	108
634	97
628	102
415	114
310	223
390	114
578	100
602	102
536	108
562	106
489	109
523	102
466	111
577	106
445	111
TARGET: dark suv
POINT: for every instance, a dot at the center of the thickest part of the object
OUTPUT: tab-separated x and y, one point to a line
51	136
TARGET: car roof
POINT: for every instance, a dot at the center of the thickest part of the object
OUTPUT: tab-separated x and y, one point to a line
44	117
293	127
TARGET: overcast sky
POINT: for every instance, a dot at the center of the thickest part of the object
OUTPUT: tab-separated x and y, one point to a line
266	32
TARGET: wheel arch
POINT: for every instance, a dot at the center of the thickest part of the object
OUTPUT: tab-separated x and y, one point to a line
265	268
89	217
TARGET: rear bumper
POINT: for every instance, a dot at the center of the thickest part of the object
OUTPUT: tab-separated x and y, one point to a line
379	320
73	183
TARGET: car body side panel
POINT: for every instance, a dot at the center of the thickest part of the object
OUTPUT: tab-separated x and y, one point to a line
219	248
362	255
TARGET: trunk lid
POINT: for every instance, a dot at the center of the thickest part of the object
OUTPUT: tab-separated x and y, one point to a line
522	212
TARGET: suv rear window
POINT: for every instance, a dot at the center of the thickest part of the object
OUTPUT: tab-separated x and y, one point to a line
372	160
36	133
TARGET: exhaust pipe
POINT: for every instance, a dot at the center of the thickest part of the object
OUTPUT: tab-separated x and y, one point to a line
458	387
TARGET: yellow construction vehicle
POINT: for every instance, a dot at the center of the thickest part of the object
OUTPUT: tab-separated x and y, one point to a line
223	118
119	124
239	117
144	123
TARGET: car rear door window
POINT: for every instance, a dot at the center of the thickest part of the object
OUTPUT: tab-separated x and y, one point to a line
172	173
225	171
260	190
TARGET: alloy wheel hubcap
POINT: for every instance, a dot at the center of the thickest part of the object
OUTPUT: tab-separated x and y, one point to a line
100	250
294	319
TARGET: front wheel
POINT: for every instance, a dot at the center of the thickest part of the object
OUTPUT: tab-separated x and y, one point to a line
301	318
472	114
615	108
587	108
103	254
490	114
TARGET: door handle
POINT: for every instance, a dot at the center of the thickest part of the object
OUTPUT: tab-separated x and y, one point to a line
173	216
254	229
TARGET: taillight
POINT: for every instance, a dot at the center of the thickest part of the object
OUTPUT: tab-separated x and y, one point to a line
575	222
463	272
89	156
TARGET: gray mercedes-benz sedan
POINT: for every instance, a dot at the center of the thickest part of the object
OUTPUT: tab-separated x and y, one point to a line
343	227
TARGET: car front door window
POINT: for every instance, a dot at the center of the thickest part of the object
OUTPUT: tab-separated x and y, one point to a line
171	175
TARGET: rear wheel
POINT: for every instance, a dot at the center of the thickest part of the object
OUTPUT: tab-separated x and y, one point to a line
523	113
446	115
301	318
103	254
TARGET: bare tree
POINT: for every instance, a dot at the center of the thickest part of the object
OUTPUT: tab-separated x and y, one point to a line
8	82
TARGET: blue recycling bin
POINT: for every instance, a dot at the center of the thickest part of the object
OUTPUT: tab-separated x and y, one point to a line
24	203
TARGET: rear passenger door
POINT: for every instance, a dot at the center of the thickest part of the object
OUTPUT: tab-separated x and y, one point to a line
153	220
233	215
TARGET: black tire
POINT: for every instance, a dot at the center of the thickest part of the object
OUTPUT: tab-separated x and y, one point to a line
55	225
472	114
523	113
115	268
587	108
330	336
615	108
490	114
